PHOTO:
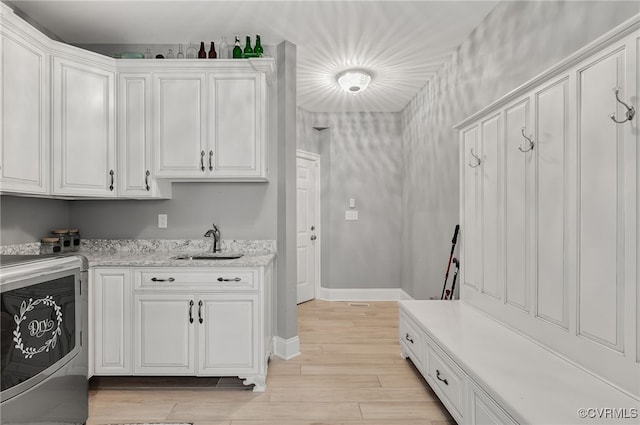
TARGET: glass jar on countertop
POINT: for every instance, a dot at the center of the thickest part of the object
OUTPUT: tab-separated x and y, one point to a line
74	235
50	246
65	238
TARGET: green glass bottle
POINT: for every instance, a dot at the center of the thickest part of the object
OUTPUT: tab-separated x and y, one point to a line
258	49
237	50
247	47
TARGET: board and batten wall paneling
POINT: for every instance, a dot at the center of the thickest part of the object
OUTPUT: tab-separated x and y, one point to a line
551	198
516	168
490	130
637	210
600	143
470	226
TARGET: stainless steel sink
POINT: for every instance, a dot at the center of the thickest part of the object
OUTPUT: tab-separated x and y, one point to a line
211	256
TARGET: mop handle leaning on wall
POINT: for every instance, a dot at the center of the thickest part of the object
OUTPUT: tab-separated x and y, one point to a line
453	247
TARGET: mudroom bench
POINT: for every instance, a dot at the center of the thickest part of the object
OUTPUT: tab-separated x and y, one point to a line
486	373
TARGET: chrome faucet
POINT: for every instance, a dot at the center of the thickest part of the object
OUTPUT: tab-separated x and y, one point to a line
217	241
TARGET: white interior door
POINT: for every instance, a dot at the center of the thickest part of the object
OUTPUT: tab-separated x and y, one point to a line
307	201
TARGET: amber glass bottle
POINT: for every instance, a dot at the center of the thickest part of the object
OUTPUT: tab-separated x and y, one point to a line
202	54
212	51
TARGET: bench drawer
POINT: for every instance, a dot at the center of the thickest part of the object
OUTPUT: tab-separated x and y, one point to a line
447	380
412	341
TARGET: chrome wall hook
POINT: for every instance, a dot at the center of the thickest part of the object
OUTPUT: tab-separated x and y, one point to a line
478	161
531	143
630	109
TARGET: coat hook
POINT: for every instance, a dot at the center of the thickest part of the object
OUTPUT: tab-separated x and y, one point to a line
630	109
531	143
477	160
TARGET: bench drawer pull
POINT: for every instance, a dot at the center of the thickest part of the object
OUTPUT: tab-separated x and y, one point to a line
441	379
408	339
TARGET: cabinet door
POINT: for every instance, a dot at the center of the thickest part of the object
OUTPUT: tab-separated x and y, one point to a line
112	298
237	125
164	334
83	129
24	113
601	200
490	197
516	204
228	335
179	120
134	135
470	212
552	127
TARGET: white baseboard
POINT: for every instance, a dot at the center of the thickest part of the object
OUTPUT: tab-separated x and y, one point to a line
372	294
286	348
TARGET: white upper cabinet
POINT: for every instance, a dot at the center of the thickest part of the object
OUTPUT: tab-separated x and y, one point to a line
237	122
210	124
83	128
179	123
135	178
24	109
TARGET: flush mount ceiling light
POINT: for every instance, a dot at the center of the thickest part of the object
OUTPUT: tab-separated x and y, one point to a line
354	80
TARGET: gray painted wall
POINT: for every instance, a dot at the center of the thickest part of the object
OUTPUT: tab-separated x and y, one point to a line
516	41
242	210
25	220
361	158
286	287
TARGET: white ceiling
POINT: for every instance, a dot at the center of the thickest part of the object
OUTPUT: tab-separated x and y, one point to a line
402	43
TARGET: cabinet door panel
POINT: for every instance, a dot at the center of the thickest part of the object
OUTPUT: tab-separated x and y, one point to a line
164	335
490	196
517	164
227	338
24	116
551	131
470	220
236	125
84	140
601	183
179	120
134	133
112	321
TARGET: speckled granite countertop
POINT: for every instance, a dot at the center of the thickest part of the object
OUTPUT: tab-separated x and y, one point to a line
162	252
167	259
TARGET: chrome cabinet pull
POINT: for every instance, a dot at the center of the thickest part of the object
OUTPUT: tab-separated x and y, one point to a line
146	180
112	180
441	379
155	279
221	279
200	311
210	160
202	161
408	339
191	311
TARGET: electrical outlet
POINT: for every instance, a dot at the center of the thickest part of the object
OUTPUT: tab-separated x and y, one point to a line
162	221
351	215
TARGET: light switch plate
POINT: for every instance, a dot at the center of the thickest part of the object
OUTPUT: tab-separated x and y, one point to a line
351	215
162	221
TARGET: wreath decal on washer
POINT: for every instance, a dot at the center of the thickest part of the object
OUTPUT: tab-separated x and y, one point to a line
37	327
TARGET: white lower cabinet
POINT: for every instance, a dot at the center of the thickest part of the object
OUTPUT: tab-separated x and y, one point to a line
202	321
483	410
112	322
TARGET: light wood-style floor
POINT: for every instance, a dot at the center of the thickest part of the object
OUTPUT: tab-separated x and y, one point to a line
350	372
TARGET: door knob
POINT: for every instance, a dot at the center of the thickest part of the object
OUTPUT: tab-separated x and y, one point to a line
313	237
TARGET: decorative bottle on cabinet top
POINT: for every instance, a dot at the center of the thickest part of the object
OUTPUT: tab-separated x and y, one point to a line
180	53
258	48
212	51
202	54
224	49
237	50
191	51
247	47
